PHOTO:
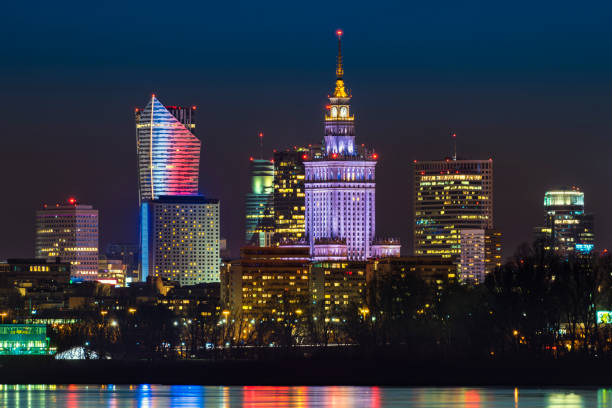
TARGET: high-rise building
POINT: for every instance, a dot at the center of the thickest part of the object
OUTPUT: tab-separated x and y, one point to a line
493	254
567	228
472	257
289	196
260	203
451	195
69	232
180	239
168	151
340	185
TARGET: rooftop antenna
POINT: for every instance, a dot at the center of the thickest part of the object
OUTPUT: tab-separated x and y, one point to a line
261	135
454	146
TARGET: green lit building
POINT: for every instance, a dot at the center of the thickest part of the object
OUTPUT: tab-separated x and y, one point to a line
260	203
567	228
24	339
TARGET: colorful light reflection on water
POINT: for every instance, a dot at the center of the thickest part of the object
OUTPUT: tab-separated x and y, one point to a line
187	396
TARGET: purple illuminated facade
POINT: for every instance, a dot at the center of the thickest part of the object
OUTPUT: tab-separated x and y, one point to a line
168	151
340	186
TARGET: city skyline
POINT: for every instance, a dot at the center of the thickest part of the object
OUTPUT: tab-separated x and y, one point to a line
524	140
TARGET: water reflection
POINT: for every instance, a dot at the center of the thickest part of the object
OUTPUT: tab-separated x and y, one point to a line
186	396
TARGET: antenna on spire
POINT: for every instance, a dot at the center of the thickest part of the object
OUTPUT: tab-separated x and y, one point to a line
339	70
261	135
454	135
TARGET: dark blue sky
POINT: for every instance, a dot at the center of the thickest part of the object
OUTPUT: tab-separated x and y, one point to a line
527	83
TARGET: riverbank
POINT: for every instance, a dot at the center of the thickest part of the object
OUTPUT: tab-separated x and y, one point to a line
304	371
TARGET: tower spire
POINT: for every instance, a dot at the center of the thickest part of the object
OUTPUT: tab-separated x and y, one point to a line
340	92
339	69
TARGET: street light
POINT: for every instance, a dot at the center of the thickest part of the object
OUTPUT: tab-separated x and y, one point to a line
225	314
364	311
3	314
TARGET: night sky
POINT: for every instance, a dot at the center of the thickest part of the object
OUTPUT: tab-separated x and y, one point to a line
527	84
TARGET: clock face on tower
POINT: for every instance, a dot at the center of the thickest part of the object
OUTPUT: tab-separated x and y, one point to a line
334	112
343	112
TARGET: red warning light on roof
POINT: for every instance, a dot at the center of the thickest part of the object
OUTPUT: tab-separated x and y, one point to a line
251	158
152	95
72	201
375	156
260	134
334	155
328	107
339	33
454	135
194	107
136	110
304	157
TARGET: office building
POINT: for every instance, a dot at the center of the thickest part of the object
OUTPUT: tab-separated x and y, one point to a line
289	196
493	254
259	211
128	254
24	339
472	257
168	151
340	185
567	228
33	273
337	286
451	195
435	271
112	271
180	239
69	232
267	282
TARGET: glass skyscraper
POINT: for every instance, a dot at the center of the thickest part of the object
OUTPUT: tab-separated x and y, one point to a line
259	211
179	229
168	151
340	185
567	228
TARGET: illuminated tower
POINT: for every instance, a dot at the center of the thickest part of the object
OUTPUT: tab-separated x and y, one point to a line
168	151
453	207
289	196
340	185
69	232
567	228
259	203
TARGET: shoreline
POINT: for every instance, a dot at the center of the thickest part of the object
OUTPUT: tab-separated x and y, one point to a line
309	372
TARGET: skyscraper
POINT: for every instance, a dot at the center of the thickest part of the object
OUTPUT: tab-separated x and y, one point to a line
340	185
567	228
451	195
179	229
69	232
180	239
259	210
289	196
168	151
